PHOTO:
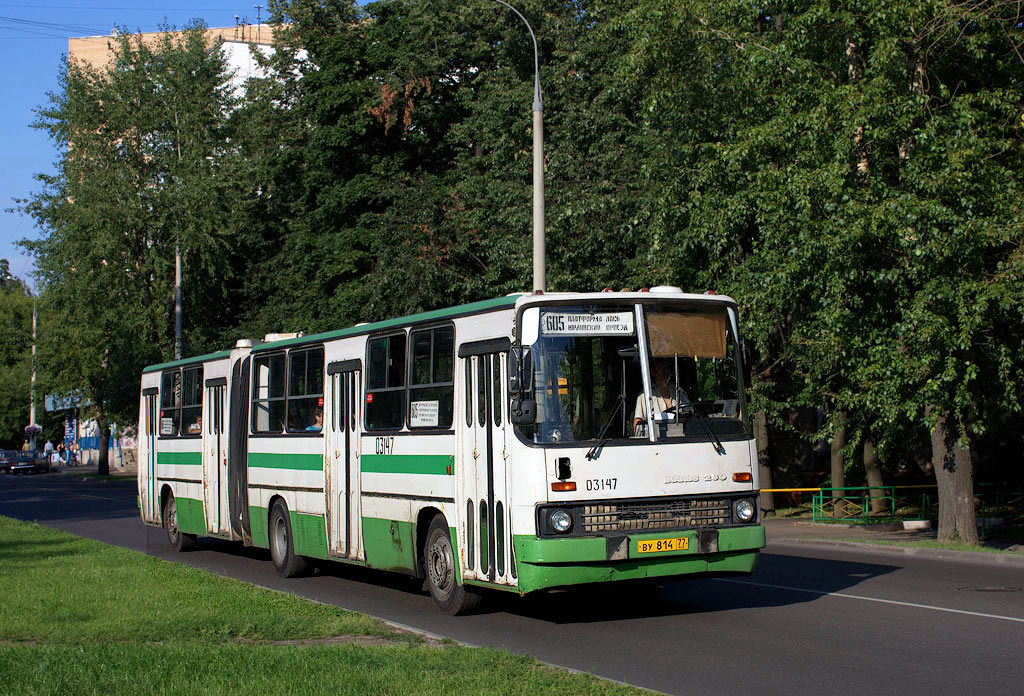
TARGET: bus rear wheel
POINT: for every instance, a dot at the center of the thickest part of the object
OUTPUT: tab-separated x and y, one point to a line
178	539
439	566
282	545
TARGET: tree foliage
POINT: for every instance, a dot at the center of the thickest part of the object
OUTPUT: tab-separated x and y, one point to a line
850	173
145	162
15	357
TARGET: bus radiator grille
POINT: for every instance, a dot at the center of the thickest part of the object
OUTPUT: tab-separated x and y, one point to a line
678	514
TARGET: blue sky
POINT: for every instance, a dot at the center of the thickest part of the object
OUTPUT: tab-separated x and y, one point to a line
33	42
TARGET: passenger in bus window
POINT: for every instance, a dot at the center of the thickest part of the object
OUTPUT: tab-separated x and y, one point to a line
318	421
197	426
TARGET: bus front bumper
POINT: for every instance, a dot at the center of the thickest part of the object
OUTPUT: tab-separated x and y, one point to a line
547	563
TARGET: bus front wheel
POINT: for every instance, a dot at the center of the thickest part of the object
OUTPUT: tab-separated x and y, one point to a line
178	539
282	544
439	566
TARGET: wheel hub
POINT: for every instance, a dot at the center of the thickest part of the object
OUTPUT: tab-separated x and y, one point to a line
440	566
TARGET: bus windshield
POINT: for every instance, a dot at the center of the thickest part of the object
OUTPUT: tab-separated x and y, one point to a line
589	366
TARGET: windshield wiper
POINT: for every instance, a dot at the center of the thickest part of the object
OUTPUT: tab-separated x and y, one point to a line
601	439
691	408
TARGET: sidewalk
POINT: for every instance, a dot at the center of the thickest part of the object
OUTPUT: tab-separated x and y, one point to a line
860	537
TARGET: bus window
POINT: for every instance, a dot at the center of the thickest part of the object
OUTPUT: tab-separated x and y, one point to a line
170	403
306	390
432	386
496	388
481	390
192	401
385	382
467	385
268	399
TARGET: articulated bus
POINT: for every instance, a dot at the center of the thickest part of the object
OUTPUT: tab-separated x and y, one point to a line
522	443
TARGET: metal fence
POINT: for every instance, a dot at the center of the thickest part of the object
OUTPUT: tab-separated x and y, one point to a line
874	503
995	503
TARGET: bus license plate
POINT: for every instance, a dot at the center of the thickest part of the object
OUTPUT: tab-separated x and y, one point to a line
656	545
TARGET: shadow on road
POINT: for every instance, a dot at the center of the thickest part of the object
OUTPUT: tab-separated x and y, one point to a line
32	498
695	596
626	601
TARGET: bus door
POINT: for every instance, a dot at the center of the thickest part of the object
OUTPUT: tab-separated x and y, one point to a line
342	420
483	495
215	459
147	489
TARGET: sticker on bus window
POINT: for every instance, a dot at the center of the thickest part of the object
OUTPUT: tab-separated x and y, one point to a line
166	426
574	324
424	414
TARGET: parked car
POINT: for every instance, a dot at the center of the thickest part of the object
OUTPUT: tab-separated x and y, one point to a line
34	461
6	459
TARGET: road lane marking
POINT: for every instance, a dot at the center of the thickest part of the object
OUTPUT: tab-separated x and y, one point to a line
872	599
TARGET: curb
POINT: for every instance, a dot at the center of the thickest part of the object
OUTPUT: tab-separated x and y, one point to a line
1010	559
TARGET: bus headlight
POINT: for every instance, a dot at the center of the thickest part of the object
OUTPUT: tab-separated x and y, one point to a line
561	521
744	510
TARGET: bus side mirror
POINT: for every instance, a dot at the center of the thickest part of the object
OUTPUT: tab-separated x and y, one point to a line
520	373
523	411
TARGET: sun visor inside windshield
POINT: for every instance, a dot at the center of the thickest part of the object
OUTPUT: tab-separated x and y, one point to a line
692	335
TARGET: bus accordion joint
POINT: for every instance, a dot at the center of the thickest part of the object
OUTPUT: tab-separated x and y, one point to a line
563	486
742	477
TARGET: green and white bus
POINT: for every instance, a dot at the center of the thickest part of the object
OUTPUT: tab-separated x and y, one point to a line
521	443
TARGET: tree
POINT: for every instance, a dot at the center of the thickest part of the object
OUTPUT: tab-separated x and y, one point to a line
854	178
145	162
15	357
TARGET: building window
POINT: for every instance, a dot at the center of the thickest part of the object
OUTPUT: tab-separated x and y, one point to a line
385	382
432	383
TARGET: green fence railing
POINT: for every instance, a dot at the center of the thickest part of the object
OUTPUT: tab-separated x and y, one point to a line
881	503
873	503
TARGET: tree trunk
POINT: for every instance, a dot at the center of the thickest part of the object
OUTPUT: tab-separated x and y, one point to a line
103	463
955	478
874	476
838	443
763	465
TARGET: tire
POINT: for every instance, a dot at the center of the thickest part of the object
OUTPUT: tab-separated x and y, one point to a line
439	567
178	539
282	546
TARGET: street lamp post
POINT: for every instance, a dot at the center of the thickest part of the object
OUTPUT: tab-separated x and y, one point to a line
539	279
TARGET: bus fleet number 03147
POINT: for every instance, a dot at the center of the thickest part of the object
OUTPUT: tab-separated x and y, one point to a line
608	484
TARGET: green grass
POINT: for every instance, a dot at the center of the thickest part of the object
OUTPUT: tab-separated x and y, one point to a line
81	617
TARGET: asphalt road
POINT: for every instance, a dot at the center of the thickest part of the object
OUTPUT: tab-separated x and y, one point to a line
834	620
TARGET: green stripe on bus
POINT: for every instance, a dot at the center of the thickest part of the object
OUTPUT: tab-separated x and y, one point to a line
301	462
180	458
439	464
